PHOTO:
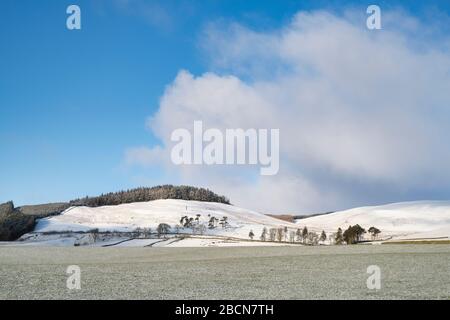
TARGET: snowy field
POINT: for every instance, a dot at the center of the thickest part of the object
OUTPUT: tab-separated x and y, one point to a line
300	272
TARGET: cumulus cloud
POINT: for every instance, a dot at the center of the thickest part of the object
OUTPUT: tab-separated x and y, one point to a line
363	115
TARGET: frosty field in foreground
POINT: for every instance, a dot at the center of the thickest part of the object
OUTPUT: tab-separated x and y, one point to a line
338	272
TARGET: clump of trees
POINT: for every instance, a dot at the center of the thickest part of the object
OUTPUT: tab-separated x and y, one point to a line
13	223
187	222
148	194
374	232
353	234
198	227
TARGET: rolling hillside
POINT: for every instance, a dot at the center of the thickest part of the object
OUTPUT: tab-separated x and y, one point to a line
409	220
405	220
125	218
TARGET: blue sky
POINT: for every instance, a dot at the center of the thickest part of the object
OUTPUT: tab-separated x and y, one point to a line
71	102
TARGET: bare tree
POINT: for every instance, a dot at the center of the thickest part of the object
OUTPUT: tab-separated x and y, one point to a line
162	229
137	232
298	233
313	238
272	234
202	229
95	234
264	234
147	232
280	234
292	236
332	237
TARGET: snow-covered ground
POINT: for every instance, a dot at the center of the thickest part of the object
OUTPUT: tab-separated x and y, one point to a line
405	220
128	217
409	220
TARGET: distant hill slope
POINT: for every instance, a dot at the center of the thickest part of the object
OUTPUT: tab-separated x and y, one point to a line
284	217
44	210
418	219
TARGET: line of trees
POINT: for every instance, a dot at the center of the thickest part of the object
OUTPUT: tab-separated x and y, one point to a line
283	234
193	223
352	235
198	227
149	194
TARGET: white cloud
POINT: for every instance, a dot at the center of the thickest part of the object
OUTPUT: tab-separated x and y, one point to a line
363	115
145	156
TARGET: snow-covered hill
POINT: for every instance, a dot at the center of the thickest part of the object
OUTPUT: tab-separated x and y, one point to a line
405	220
128	217
409	220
